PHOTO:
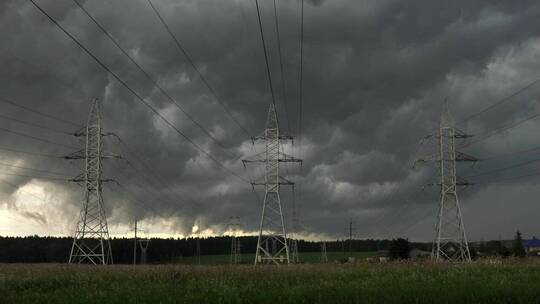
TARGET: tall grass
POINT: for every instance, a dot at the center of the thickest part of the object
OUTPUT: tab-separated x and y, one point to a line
329	283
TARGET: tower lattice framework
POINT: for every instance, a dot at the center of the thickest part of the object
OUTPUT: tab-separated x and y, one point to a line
295	257
234	225
91	240
272	244
450	240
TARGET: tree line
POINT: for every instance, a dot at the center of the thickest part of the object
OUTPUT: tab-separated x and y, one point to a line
37	249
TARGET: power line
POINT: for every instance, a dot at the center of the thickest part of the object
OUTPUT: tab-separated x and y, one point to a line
146	188
151	79
503	100
29	153
36	176
301	75
127	191
297	199
509	178
34	125
502	129
18	189
36	138
192	63
140	185
509	154
139	97
283	91
504	168
143	163
33	169
268	74
11	102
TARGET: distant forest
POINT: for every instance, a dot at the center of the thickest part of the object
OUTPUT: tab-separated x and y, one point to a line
35	249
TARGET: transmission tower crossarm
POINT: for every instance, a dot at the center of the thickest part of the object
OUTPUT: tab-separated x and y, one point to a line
81	155
464	157
463	182
460	134
280	137
103	180
257	158
285	158
76	155
426	159
284	181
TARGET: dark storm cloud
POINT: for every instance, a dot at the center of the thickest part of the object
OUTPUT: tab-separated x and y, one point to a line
375	74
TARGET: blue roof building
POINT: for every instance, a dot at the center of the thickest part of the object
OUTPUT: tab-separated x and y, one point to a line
532	245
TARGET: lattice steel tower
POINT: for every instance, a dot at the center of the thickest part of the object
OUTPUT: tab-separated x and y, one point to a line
450	241
324	256
272	225
91	241
234	226
295	257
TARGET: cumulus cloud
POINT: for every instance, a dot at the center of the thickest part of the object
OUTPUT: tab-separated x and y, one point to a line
375	76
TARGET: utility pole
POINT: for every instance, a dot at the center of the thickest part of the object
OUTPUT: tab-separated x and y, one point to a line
91	242
272	225
450	241
135	245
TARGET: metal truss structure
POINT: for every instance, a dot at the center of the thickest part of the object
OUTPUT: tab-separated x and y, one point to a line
450	241
91	240
197	253
324	256
234	225
272	232
295	257
143	244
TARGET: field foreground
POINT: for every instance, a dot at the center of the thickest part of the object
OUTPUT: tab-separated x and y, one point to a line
510	282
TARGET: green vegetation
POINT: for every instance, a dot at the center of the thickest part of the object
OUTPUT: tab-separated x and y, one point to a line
399	249
512	282
305	257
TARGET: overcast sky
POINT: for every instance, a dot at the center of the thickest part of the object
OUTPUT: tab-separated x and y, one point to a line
376	74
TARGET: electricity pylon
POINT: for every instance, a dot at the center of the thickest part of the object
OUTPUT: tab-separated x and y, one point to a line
144	243
198	244
91	241
450	241
234	225
272	225
135	243
324	257
295	257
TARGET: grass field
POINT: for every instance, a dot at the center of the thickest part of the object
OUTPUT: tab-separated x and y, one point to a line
310	283
305	257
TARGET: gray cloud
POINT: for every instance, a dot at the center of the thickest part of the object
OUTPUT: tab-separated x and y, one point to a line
376	73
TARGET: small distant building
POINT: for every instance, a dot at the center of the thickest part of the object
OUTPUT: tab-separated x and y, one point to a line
380	256
532	245
416	253
383	256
